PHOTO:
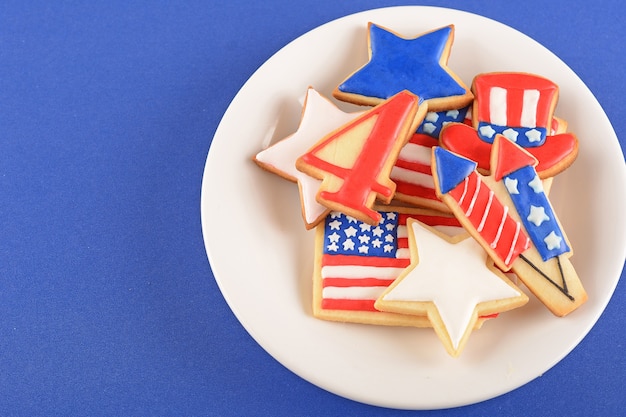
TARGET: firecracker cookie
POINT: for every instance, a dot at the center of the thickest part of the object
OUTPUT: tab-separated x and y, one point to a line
509	214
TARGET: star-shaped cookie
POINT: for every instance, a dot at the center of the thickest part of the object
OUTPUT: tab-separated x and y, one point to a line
452	281
418	65
319	117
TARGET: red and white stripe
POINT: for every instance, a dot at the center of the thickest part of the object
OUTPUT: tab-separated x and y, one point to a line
490	219
412	172
356	282
502	113
515	100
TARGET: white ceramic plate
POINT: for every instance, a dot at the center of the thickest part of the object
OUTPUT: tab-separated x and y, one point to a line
261	254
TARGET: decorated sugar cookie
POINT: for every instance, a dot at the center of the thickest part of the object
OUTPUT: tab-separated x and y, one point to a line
519	106
355	262
354	161
452	281
434	121
418	65
509	214
412	172
319	117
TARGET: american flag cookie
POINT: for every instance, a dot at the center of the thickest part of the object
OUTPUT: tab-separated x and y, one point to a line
412	172
419	65
519	106
319	117
354	161
452	281
509	214
355	262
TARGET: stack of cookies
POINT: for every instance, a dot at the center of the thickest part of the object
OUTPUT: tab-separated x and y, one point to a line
430	206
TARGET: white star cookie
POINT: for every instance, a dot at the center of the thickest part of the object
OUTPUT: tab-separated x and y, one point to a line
452	282
319	117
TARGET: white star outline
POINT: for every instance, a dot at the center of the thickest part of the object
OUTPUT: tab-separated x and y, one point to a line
537	215
553	241
533	135
487	131
348	244
511	134
335	225
429	127
536	185
511	185
364	239
431	116
454	288
334	237
350	232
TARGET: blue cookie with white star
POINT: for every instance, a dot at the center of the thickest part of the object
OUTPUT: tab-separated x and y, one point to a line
419	65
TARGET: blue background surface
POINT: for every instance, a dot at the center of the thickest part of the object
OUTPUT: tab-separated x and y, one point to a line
108	305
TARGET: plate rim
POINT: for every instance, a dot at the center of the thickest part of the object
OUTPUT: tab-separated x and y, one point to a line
204	201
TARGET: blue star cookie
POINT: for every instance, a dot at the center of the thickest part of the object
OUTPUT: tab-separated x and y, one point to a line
418	65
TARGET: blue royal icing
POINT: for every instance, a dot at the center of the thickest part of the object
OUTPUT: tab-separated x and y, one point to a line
534	209
526	137
451	169
399	64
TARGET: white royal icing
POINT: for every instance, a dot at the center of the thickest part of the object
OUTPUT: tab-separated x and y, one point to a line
536	184
497	106
455	287
511	185
412	152
553	241
533	135
511	134
429	127
529	108
319	118
431	116
452	113
487	131
537	215
412	177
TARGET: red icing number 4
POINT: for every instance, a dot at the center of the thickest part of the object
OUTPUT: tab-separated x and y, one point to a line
354	162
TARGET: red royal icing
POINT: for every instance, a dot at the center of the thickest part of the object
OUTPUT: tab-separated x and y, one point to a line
490	219
346	304
433	220
363	178
555	150
464	140
509	158
515	84
421	140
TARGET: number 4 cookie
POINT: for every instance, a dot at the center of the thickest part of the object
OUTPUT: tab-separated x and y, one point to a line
354	162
